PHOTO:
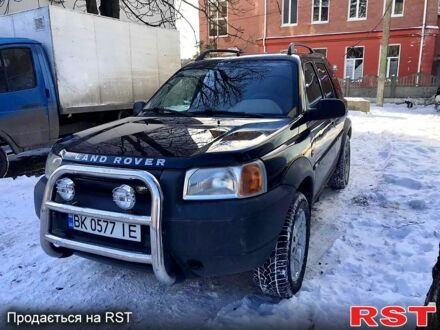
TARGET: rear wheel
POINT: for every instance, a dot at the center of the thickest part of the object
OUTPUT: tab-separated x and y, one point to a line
4	163
283	273
341	175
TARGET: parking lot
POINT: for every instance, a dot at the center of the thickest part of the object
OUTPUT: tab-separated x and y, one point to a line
372	244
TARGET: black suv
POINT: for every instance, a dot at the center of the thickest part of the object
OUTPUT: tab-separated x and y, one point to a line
215	175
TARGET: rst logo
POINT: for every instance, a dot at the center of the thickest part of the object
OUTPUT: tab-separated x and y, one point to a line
390	316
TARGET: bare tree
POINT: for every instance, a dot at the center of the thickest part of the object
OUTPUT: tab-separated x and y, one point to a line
158	13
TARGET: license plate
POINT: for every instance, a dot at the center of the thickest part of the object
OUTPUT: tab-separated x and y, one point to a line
102	227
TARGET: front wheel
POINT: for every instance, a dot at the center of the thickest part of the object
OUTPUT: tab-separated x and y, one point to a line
4	163
283	273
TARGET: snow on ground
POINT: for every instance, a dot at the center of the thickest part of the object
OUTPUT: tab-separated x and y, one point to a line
372	244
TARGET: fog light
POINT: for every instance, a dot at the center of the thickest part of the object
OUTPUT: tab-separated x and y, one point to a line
124	197
66	189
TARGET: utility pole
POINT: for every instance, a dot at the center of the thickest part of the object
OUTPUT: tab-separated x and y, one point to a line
384	53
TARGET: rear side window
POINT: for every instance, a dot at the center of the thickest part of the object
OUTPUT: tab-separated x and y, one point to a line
326	81
18	69
313	90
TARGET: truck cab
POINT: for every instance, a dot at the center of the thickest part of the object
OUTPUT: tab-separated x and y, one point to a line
28	111
50	87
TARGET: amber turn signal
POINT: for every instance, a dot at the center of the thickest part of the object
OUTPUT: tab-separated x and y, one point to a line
252	180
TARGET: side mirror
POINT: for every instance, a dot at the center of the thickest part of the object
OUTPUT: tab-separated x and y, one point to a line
138	107
327	109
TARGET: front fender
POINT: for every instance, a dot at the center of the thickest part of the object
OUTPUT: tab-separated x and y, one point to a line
298	171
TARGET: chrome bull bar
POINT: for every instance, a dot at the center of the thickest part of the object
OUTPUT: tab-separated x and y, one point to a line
51	243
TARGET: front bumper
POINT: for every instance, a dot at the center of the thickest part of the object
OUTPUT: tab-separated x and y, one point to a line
202	238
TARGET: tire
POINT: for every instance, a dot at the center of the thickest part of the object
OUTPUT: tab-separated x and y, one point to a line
341	175
281	276
4	163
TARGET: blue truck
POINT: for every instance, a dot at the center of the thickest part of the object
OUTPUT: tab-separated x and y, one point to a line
61	73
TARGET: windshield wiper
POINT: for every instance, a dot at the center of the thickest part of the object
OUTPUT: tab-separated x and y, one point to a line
158	110
213	112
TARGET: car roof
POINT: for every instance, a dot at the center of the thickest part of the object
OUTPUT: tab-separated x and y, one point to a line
9	41
277	56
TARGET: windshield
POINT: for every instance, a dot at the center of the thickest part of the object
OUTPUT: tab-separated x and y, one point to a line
259	87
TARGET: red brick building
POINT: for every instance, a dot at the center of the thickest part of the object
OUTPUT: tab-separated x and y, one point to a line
348	31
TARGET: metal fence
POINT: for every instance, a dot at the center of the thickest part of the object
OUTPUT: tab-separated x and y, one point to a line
412	86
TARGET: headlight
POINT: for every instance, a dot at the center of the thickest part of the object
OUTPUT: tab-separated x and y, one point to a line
52	163
225	183
66	189
124	197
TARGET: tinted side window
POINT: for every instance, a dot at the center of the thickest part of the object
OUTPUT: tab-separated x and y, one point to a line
3	86
313	90
19	68
326	81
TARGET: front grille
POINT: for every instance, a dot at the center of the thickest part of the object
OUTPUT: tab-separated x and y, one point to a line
94	200
97	193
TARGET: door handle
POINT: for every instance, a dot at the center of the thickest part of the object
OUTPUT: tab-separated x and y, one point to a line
47	92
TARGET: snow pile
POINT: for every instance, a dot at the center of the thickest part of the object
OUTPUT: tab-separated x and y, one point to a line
373	243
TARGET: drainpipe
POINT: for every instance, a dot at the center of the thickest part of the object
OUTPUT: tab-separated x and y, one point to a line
422	40
265	27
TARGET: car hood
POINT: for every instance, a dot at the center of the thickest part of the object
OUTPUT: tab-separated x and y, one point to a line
173	137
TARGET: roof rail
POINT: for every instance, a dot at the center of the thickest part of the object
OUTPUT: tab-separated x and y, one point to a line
292	48
219	50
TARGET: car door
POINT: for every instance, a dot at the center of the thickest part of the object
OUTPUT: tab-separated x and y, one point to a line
337	124
320	130
23	101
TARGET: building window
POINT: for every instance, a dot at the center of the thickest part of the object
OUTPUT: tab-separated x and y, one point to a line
398	7
320	10
393	58
358	9
218	18
354	63
322	51
290	12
